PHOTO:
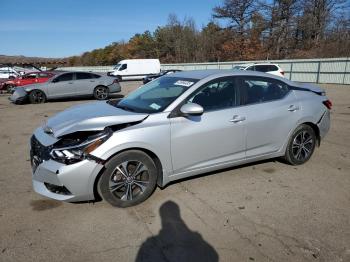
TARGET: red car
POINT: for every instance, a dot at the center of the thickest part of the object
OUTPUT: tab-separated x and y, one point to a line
27	79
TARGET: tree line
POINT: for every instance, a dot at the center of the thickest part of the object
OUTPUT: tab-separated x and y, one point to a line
240	30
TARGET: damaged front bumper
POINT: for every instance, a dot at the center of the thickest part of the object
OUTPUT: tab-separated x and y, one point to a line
19	96
70	183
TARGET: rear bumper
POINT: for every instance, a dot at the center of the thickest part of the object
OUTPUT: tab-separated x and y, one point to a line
114	88
324	124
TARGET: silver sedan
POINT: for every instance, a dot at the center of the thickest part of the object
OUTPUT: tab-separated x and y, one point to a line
68	85
174	127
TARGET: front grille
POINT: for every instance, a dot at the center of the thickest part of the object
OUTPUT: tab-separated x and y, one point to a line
38	152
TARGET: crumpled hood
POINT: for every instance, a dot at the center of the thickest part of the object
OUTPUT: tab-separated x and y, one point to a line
90	117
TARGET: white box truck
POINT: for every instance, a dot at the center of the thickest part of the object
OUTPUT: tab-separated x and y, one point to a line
135	69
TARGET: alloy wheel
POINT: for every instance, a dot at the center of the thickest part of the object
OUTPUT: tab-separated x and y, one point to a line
101	93
302	145
129	180
38	97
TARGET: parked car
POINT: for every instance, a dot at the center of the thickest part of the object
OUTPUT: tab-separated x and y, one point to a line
174	127
27	79
162	73
269	68
67	85
8	73
135	69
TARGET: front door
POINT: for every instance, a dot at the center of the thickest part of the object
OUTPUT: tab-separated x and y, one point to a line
62	86
214	139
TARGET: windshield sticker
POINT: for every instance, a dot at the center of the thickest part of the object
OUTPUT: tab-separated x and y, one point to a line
183	83
155	106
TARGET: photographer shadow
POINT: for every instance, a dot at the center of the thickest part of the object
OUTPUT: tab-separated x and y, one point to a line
175	241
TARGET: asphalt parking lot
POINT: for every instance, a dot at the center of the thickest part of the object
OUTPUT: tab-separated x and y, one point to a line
268	211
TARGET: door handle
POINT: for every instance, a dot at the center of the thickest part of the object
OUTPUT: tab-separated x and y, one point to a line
92	81
293	108
237	119
71	83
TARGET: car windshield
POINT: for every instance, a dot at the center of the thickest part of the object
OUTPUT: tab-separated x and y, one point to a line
155	96
117	67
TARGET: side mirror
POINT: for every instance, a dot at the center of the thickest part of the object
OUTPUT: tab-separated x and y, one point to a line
55	80
191	109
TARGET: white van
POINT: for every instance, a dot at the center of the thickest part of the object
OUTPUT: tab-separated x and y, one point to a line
135	69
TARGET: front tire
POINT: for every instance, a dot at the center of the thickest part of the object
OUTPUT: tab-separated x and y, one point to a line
129	179
101	93
301	145
37	97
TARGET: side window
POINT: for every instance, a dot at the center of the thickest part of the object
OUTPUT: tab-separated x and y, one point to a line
258	89
251	68
123	67
95	76
216	95
82	76
43	75
31	76
273	68
262	68
64	77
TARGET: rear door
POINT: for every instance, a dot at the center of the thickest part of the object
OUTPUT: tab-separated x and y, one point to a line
271	110
84	83
61	86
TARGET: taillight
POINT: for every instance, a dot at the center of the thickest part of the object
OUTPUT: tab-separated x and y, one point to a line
328	104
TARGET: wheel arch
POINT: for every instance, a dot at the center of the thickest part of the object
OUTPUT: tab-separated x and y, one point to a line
37	89
150	153
101	85
316	130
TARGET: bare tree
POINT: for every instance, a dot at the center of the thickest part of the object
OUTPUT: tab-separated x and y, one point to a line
239	13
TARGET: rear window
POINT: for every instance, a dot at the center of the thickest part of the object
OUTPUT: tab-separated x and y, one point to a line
266	68
43	75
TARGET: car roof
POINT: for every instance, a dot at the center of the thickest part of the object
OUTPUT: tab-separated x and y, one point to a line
252	64
212	73
74	72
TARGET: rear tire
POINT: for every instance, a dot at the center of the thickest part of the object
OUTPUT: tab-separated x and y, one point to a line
129	179
101	93
301	145
37	97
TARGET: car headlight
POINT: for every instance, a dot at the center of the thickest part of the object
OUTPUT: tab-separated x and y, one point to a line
79	148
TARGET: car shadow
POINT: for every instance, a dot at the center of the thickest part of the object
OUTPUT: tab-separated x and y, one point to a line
175	241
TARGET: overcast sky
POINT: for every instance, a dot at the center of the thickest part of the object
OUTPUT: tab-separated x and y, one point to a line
70	27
